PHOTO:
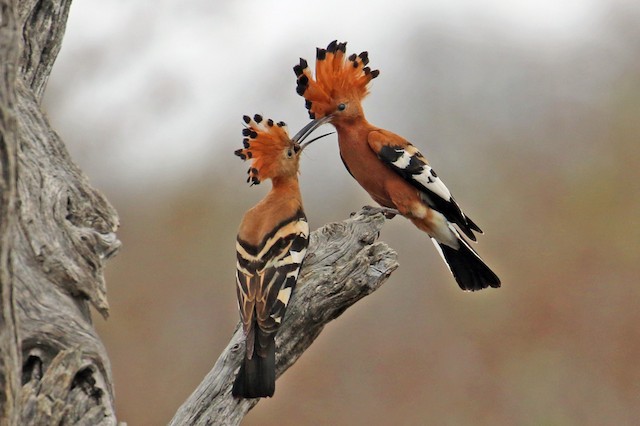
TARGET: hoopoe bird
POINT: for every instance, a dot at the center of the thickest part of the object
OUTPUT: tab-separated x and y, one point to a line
387	166
271	246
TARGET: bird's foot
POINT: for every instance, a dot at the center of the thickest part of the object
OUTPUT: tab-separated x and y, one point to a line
388	212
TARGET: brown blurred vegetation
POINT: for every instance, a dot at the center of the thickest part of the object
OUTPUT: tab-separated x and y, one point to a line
542	151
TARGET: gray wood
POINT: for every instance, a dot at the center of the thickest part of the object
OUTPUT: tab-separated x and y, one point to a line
57	233
9	343
343	264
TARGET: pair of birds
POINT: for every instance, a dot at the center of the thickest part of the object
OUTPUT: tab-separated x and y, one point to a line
273	235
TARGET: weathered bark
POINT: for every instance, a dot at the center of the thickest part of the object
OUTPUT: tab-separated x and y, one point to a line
343	264
9	357
57	232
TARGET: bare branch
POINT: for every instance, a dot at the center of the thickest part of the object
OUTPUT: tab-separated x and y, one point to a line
343	264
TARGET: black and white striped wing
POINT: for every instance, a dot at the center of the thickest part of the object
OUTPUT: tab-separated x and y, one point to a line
409	163
266	278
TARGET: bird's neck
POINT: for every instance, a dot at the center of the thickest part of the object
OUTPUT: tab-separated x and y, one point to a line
353	131
285	186
282	202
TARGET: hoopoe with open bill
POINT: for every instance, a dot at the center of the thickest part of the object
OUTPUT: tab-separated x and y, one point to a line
271	245
387	166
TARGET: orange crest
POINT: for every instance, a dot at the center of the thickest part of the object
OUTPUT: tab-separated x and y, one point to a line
337	78
264	141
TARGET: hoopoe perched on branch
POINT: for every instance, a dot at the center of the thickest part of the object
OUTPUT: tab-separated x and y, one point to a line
271	245
387	166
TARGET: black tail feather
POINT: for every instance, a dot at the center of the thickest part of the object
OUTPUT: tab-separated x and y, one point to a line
473	226
257	376
467	267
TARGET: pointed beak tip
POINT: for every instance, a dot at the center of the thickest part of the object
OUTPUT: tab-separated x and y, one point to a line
306	144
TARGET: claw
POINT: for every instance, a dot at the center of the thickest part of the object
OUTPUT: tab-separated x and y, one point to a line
388	212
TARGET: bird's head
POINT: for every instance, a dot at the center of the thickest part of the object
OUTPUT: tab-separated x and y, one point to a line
272	152
339	86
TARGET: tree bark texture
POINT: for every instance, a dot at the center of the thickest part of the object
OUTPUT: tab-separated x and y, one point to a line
343	264
57	232
9	359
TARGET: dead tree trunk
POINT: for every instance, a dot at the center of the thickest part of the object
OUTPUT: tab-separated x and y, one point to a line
9	358
56	233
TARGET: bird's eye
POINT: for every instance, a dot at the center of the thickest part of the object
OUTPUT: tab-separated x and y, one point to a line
342	107
289	153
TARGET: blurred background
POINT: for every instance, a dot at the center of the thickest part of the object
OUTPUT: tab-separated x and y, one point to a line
529	110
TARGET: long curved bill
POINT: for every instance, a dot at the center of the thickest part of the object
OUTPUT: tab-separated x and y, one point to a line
308	129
